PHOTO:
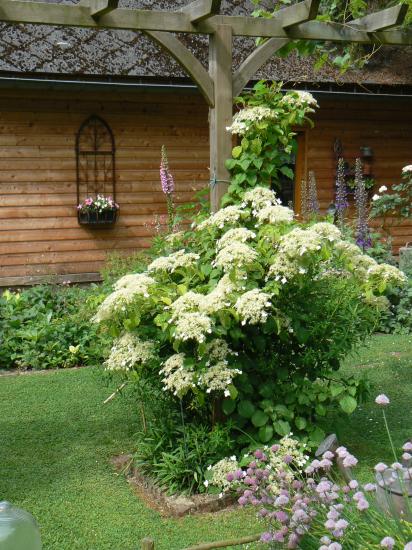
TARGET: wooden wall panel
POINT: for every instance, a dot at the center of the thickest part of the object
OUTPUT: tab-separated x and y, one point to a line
39	233
383	124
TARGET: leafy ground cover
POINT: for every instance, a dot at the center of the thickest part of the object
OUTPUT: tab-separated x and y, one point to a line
57	439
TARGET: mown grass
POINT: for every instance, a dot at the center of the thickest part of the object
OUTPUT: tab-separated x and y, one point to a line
57	439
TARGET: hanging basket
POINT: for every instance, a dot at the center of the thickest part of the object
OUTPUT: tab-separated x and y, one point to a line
107	218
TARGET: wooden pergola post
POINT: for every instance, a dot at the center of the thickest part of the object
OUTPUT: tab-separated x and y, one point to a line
220	114
218	85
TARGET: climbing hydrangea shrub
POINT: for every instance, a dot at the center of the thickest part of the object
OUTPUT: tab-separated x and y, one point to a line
250	313
263	127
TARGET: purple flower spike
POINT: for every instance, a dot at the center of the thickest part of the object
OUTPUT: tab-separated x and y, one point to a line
166	178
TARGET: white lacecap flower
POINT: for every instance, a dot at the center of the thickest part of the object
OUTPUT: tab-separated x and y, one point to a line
253	306
407	169
193	326
376	197
229	215
382	188
245	119
129	352
235	255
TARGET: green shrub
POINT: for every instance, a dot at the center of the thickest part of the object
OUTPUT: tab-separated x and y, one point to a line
49	326
178	456
398	318
253	310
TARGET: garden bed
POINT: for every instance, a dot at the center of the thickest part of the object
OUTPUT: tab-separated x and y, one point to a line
169	505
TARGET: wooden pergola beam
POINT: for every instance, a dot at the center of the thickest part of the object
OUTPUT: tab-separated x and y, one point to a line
383	19
188	61
21	11
292	15
98	8
202	9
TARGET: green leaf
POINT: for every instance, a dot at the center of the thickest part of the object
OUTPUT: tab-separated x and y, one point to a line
336	389
288	172
281	410
246	409
259	419
228	406
266	433
320	409
282	427
233	391
236	151
301	422
317	435
348	404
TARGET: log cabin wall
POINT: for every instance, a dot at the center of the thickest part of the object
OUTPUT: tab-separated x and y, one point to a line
39	232
385	125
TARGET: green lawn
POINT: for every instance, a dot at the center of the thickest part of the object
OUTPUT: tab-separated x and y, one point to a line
57	438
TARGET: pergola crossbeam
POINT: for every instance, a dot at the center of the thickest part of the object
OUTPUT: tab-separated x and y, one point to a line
99	7
201	9
280	26
383	19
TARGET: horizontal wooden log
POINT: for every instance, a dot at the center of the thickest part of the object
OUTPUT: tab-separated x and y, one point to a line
32	280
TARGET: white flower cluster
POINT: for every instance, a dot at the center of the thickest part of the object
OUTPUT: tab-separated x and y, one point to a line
218	377
274	214
245	118
217	350
407	169
347	249
190	301
220	471
239	234
327	230
388	274
299	98
174	237
252	306
229	215
300	242
219	297
235	255
128	352
283	269
177	378
114	303
259	197
138	283
193	326
181	258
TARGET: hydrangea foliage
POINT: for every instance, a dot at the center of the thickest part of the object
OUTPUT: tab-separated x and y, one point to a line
254	308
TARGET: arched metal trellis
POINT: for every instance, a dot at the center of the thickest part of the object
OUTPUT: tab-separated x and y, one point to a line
95	159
